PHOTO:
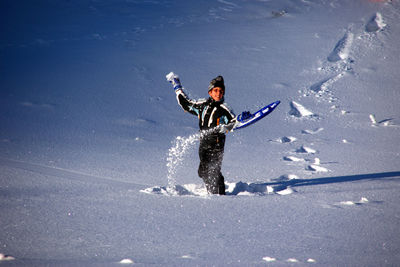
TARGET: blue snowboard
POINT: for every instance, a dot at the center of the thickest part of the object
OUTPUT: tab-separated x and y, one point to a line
256	116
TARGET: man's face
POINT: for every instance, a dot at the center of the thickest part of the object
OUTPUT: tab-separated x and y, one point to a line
216	93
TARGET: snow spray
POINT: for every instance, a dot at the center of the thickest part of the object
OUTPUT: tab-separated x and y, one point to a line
176	155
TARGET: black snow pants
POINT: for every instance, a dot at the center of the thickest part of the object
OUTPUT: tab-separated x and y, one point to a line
211	153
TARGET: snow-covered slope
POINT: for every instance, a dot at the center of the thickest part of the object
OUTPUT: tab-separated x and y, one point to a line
98	163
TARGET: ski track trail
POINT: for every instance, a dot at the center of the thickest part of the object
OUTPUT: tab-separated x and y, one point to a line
336	66
68	174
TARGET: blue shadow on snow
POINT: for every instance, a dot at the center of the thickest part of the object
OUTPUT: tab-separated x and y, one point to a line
282	185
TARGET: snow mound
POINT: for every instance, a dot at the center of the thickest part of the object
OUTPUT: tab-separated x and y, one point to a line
232	189
375	24
342	48
177	190
242	188
260	189
126	261
298	110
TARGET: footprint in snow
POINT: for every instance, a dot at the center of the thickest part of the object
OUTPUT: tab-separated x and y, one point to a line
286	177
306	150
285	140
342	48
299	111
362	201
315	167
315	131
232	189
375	24
351	203
385	122
323	86
293	159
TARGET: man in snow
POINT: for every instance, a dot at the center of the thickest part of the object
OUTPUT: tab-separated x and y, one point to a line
211	112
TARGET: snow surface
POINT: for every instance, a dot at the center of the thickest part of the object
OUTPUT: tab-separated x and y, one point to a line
98	163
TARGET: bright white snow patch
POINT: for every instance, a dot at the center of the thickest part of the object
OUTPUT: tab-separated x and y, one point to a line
347	203
187	257
242	188
373	119
126	261
285	192
269	259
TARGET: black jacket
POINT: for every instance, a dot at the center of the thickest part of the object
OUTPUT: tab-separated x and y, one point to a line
210	113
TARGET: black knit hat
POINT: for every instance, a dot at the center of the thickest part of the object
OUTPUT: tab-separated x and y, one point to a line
217	82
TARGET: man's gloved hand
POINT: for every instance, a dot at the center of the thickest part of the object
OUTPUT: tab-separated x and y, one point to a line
174	79
224	128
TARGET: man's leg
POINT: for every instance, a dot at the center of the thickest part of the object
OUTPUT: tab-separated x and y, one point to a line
210	171
220	181
221	185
